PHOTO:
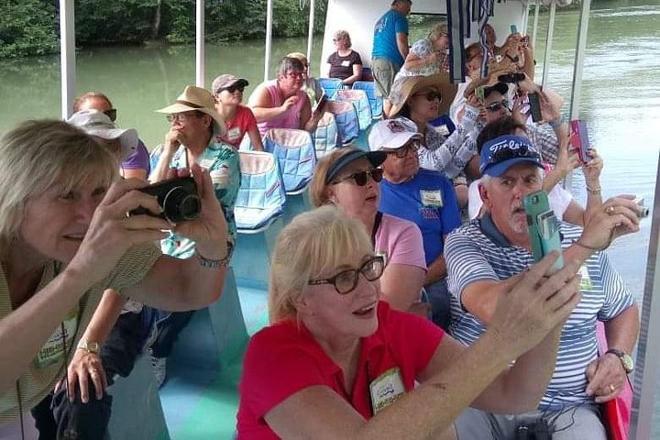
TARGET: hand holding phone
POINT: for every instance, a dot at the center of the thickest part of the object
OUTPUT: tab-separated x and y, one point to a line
580	140
543	228
535	106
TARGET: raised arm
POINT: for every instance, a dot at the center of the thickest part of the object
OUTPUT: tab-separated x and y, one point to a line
262	106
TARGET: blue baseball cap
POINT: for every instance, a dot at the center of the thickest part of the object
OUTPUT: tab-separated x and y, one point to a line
376	158
501	153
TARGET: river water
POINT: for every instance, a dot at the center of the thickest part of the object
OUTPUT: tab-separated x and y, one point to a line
620	94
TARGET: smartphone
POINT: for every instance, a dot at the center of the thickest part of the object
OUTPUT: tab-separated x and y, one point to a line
543	228
321	102
580	139
514	29
535	106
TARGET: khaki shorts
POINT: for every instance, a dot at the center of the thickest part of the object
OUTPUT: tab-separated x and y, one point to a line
384	72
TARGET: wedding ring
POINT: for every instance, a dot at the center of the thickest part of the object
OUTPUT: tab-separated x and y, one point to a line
609	210
612	388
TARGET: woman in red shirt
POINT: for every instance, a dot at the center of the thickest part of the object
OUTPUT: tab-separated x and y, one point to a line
338	363
239	119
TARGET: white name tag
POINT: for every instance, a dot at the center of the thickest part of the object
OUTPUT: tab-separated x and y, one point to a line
431	198
585	282
53	350
220	177
233	133
345	63
386	389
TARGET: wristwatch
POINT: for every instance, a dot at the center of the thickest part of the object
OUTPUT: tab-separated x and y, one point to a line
626	359
92	347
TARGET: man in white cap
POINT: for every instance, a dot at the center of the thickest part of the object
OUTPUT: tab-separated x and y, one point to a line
425	197
195	126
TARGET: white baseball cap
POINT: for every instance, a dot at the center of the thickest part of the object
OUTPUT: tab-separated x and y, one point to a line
96	123
392	134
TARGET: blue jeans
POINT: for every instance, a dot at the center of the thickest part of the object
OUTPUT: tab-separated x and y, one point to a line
438	295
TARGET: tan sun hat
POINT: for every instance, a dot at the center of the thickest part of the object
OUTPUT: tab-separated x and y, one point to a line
413	84
197	98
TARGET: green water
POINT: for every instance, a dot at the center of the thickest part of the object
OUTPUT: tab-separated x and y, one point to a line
620	94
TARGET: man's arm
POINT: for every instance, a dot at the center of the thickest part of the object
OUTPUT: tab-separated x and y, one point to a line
402	44
436	270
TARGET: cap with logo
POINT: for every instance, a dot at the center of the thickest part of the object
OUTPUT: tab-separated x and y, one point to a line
392	134
501	153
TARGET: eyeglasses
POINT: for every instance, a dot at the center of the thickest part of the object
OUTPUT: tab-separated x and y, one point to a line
295	74
111	113
430	95
496	106
403	151
181	117
509	153
362	177
232	89
347	280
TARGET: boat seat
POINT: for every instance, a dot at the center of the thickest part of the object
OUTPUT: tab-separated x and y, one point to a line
325	136
348	126
375	101
294	151
330	86
360	101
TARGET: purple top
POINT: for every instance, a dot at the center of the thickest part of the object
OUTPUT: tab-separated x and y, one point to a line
138	160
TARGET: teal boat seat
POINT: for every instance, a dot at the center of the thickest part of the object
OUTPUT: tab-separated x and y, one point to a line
330	86
360	101
325	136
348	125
375	101
294	151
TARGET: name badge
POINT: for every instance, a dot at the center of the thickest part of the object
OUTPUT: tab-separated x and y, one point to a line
345	63
386	389
233	133
431	198
585	282
52	351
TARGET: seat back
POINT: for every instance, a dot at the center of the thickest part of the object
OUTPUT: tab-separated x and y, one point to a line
325	136
360	101
261	195
330	86
375	101
348	126
294	151
367	74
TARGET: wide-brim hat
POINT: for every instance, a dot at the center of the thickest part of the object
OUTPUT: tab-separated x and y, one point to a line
413	84
98	124
375	158
196	98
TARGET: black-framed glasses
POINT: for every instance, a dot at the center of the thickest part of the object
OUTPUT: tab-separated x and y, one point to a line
403	151
496	106
347	280
183	116
233	88
362	177
111	113
510	153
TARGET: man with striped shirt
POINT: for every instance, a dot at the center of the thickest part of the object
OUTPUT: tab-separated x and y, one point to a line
487	255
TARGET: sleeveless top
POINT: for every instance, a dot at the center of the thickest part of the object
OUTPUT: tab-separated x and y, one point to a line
288	119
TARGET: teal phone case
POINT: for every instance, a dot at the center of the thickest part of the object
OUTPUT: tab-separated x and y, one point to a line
543	228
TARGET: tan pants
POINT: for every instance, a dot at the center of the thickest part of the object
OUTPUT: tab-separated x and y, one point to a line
384	72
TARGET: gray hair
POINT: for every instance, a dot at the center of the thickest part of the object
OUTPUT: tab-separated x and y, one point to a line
289	63
343	35
35	156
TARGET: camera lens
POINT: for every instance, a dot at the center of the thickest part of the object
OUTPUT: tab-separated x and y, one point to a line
181	204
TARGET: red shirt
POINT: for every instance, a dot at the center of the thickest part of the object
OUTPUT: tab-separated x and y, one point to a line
243	122
283	359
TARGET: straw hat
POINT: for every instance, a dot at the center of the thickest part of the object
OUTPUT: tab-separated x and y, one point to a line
413	84
197	98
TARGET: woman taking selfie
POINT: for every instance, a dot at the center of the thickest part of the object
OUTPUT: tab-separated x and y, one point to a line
346	363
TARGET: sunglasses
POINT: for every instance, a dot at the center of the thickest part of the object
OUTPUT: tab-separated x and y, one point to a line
112	114
347	280
496	106
403	151
362	177
430	96
509	153
232	89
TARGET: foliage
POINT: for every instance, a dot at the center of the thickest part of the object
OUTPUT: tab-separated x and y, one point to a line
27	27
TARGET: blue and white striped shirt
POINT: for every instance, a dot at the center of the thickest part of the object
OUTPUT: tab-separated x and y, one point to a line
479	252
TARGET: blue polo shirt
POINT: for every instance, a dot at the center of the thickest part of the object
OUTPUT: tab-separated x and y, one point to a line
429	201
385	32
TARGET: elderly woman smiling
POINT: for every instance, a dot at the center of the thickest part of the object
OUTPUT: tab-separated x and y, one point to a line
348	178
338	363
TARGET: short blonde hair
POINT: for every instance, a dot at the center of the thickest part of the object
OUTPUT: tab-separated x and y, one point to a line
300	57
343	35
437	31
311	246
318	190
37	155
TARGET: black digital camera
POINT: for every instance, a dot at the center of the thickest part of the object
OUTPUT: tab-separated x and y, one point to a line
178	197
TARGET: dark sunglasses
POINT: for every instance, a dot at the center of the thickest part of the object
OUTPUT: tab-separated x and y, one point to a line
112	114
362	177
496	106
232	89
403	151
509	153
347	280
430	96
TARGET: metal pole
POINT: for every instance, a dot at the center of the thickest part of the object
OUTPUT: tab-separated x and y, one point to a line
548	43
200	62
269	37
647	365
536	23
576	89
67	57
523	29
310	33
